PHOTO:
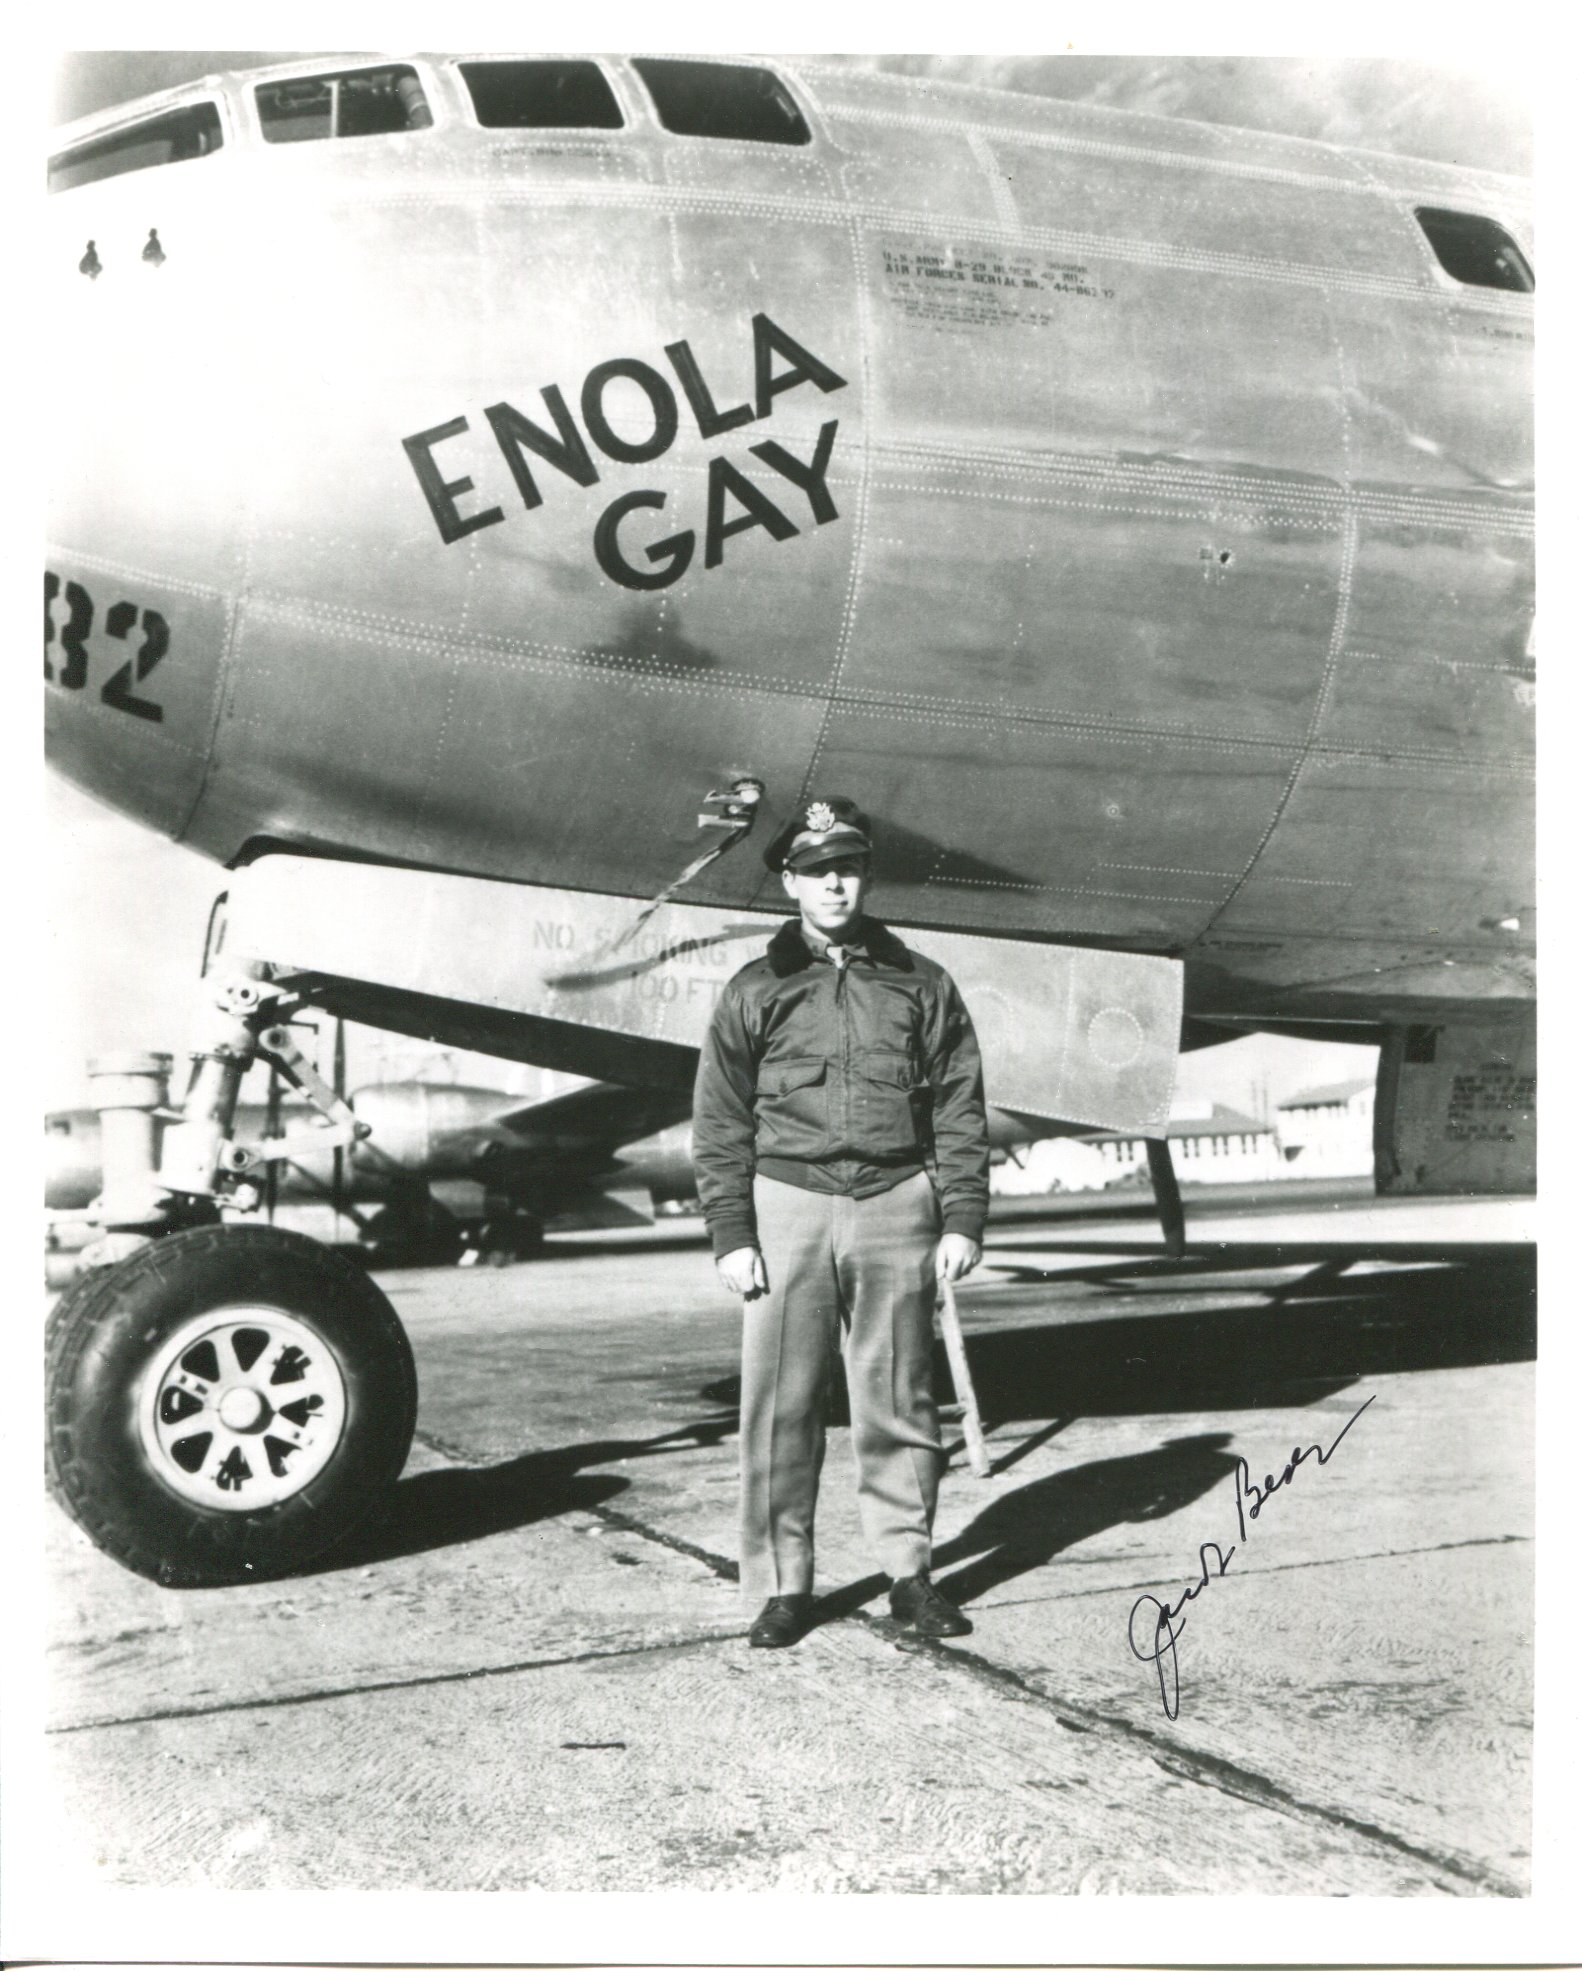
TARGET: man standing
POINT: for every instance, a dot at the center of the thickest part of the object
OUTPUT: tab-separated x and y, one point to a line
843	1163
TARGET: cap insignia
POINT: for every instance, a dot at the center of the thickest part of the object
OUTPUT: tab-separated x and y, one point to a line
821	817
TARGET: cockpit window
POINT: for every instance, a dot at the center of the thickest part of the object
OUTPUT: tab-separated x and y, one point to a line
364	102
541	96
1475	250
193	131
723	99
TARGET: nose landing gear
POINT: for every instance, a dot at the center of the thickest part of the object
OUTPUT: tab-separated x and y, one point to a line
226	1404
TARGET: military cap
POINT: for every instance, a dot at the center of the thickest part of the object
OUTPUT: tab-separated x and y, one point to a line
822	830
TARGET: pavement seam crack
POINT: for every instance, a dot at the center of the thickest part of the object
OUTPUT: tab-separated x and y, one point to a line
456	1455
1275	1567
439	1677
1200	1768
727	1570
1182	1761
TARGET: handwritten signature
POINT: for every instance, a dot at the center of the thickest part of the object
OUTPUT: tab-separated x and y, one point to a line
1168	1619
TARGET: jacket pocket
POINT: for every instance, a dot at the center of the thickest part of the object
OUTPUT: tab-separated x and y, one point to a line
889	1095
793	1108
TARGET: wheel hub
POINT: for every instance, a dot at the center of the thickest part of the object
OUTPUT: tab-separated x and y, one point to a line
241	1408
244	1409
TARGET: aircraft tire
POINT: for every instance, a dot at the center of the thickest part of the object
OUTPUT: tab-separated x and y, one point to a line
226	1405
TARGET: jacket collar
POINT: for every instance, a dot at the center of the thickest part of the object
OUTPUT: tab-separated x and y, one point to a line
788	950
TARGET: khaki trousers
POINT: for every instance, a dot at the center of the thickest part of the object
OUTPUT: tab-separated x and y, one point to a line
866	1264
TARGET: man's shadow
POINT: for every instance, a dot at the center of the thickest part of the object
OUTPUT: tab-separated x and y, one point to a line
1025	1528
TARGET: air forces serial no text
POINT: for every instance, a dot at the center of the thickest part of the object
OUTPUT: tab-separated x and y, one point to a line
487	489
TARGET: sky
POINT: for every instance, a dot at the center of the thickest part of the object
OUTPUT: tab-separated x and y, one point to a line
127	911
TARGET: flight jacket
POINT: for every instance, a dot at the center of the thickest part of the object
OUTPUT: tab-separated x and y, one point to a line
839	1078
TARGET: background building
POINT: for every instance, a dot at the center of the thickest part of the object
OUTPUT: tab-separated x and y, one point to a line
1210	1142
1324	1131
1328	1131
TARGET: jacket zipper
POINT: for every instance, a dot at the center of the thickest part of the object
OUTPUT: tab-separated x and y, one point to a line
843	1024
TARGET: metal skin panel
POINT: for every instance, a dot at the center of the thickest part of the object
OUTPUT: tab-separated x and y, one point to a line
1171	484
569	785
1464	580
1365	848
565	157
929	170
776	170
120	717
1275	217
1457	1110
1108	798
1088	369
1444	704
1429	406
145	548
559	955
144	364
1110	607
849	97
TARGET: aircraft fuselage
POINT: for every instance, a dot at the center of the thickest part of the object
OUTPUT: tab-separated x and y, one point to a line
1136	516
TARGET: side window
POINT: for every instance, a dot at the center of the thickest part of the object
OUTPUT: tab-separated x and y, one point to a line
541	95
1476	250
364	102
723	99
169	139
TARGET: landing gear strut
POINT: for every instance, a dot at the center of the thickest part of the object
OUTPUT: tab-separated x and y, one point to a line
1167	1196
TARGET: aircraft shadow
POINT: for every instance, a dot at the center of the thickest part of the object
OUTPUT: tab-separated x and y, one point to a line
1303	1340
1104	1354
1326	1330
452	1507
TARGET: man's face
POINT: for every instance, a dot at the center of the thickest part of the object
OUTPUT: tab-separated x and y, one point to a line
830	898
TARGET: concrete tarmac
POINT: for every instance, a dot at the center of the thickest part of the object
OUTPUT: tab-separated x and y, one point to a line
533	1673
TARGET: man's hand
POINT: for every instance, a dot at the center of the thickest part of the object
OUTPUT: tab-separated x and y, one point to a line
743	1273
956	1257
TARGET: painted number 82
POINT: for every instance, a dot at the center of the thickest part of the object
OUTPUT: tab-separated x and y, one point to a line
69	641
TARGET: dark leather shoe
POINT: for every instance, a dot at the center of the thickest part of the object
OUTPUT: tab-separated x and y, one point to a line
781	1620
919	1607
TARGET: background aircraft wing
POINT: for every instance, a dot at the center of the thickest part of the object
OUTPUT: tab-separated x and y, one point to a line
602	1115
